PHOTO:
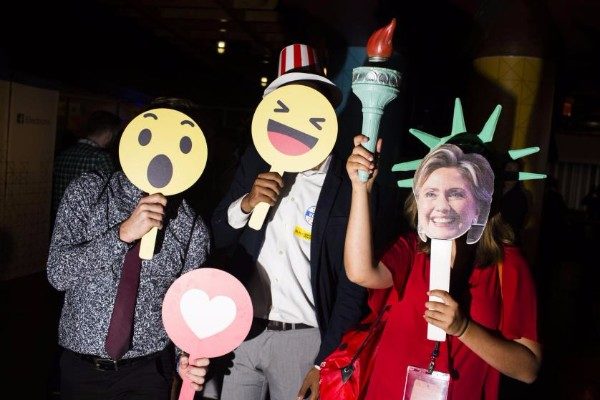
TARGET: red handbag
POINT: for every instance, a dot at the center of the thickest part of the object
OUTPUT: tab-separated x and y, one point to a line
345	372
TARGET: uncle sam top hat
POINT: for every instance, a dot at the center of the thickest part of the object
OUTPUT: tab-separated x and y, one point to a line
299	62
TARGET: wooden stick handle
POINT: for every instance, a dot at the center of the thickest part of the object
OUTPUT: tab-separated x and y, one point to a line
258	216
147	244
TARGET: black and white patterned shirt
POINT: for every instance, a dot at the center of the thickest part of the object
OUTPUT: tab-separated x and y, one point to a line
86	257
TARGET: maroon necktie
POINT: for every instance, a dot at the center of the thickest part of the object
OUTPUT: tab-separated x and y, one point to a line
118	338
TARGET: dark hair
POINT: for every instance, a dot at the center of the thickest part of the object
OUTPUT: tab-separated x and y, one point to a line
489	248
100	121
186	106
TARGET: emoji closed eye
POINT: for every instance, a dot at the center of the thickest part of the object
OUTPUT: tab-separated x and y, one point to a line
283	109
316	122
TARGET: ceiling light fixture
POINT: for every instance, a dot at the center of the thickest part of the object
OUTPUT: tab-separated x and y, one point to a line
263	81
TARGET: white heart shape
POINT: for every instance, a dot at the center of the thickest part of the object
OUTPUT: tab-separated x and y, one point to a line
206	317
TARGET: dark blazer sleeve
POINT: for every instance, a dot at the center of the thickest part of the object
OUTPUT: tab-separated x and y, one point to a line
349	308
250	165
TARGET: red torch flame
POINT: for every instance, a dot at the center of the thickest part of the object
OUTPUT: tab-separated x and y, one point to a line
379	46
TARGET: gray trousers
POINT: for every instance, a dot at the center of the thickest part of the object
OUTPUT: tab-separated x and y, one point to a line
273	362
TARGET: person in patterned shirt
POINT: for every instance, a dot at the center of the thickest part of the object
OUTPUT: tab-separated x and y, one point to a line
100	218
90	153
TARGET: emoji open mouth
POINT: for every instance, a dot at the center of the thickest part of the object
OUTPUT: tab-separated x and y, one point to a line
289	141
160	171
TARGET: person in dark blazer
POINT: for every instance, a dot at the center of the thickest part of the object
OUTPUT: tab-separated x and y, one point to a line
293	266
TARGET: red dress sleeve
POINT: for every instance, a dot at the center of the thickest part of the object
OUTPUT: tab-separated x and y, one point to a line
399	258
519	299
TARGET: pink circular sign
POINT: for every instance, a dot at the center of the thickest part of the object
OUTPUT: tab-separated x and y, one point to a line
207	312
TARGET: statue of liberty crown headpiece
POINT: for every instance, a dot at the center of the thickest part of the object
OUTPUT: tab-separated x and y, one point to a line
469	143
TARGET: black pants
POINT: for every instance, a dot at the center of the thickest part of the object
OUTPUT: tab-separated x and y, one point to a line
149	379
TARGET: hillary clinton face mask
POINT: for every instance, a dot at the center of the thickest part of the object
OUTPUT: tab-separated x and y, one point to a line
454	192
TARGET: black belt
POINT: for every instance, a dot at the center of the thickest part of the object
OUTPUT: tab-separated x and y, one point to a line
108	364
284	326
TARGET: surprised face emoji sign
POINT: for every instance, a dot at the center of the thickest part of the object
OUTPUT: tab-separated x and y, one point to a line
163	151
294	128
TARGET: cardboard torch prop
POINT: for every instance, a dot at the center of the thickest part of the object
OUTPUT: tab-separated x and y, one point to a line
162	151
375	86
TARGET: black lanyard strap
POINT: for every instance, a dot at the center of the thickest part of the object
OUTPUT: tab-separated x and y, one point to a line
434	354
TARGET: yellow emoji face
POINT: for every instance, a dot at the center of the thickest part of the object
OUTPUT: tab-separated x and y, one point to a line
294	128
163	151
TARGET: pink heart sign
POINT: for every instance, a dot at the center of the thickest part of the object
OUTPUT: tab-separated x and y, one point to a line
206	313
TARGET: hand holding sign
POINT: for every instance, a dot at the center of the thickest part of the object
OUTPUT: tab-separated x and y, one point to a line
294	129
206	313
162	151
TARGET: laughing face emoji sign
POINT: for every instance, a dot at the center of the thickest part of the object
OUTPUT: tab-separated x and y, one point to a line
294	129
162	151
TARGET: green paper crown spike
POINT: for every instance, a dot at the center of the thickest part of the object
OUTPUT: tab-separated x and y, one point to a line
458	120
427	139
520	153
527	176
458	126
405	183
407	166
487	133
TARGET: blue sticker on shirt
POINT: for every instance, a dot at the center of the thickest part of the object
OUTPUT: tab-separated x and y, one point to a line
309	214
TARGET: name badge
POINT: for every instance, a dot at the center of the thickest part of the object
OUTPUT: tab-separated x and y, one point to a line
302	233
423	386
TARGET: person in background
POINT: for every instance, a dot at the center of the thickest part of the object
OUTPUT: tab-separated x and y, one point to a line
303	300
94	244
90	153
515	202
591	203
489	315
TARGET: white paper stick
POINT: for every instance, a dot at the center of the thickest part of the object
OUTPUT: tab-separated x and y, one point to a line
439	278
